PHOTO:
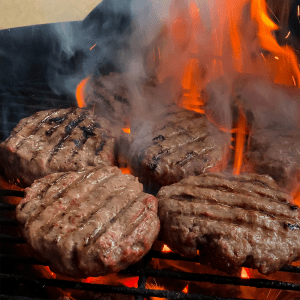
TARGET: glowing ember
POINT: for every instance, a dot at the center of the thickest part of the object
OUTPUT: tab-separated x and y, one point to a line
53	275
131	282
166	249
245	273
186	289
125	170
80	92
113	279
93	46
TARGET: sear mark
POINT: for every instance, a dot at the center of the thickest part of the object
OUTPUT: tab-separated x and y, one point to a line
159	138
76	142
88	131
189	156
121	99
58	120
184	197
100	147
292	226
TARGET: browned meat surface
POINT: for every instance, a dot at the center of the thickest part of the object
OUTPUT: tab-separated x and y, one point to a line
89	223
276	152
177	144
231	220
109	95
57	141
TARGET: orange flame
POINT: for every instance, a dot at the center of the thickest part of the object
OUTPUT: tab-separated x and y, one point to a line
80	92
239	143
285	68
126	129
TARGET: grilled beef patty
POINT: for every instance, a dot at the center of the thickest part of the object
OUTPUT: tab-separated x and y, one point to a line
231	220
109	95
276	152
178	143
88	223
57	141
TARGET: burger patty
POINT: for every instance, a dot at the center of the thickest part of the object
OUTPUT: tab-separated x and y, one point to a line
109	95
233	221
179	143
276	152
88	223
58	140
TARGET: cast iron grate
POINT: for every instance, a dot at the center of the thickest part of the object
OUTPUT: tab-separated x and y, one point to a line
143	271
25	99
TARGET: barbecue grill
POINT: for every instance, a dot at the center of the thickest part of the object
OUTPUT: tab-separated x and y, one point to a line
32	285
27	93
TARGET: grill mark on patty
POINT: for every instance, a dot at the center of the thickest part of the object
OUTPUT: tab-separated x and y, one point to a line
121	99
212	201
245	192
44	190
87	132
255	181
106	102
138	221
166	152
171	124
233	220
58	121
49	132
54	198
48	228
101	145
94	237
35	130
14	132
68	132
220	185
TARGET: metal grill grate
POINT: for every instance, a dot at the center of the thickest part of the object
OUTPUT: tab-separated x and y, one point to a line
143	271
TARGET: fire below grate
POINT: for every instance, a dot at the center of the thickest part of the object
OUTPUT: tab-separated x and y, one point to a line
143	271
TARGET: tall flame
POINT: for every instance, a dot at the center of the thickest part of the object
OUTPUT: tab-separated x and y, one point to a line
241	40
283	64
239	143
80	92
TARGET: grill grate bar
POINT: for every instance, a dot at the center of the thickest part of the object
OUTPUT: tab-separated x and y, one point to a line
112	289
143	276
8	221
175	256
7	297
11	193
22	259
12	239
7	206
218	279
136	270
